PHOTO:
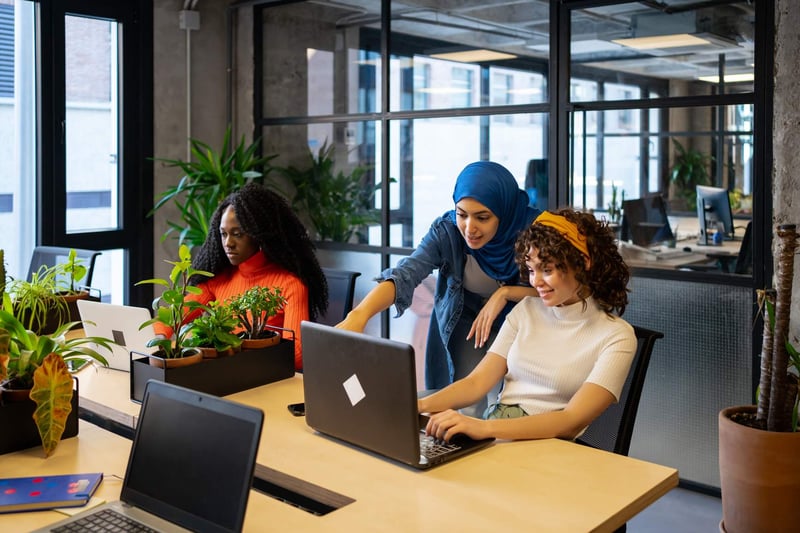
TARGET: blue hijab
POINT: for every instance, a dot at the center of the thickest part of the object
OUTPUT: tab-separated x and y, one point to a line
493	185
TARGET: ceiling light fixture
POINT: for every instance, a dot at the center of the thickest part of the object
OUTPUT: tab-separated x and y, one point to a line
662	41
473	56
729	78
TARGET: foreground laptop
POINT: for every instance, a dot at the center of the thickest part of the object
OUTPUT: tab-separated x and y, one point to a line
120	323
362	390
177	479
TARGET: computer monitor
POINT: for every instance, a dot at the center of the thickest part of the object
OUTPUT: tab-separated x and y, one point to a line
713	213
644	221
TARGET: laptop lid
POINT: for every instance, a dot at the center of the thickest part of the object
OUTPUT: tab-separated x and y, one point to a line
193	458
120	323
362	389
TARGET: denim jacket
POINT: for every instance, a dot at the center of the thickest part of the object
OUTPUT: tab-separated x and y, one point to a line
442	248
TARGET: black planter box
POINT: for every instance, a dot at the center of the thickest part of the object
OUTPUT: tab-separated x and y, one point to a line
18	430
220	376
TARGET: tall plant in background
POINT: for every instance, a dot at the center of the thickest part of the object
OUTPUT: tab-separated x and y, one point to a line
690	169
207	180
338	204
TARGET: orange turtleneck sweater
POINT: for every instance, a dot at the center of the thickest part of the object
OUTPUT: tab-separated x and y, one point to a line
257	270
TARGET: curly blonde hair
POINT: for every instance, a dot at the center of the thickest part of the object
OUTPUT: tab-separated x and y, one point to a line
608	275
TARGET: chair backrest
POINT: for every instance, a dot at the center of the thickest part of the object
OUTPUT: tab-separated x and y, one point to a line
744	262
341	288
612	430
53	255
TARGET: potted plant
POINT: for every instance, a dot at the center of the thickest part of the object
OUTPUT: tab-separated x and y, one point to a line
34	367
253	309
337	204
690	169
207	180
47	300
213	331
758	444
171	308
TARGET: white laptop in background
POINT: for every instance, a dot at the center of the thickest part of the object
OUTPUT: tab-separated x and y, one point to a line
120	323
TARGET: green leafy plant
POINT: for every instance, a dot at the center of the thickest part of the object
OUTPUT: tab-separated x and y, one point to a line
38	300
254	307
338	204
172	306
690	168
615	206
74	269
215	328
207	180
39	363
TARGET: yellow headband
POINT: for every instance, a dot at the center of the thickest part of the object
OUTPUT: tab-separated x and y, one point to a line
565	228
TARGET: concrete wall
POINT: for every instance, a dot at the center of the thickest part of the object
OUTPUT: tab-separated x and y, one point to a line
786	130
170	96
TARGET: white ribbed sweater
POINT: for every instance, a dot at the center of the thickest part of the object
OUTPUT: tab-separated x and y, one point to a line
552	351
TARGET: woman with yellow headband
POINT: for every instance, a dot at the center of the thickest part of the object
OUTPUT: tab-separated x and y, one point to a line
562	356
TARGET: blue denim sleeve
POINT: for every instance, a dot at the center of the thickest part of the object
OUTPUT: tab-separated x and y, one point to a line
433	253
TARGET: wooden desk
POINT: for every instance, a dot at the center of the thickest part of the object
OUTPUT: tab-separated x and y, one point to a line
546	485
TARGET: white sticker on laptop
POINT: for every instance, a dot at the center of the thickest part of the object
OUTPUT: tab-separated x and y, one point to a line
355	392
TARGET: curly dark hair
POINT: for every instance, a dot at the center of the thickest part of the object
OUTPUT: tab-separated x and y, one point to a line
267	218
607	276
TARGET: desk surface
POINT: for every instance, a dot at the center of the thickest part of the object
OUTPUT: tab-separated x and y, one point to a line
685	252
545	485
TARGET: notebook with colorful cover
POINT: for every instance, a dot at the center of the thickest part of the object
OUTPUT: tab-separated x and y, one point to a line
36	493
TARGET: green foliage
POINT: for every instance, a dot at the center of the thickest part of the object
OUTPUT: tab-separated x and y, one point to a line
689	170
214	328
337	204
207	180
254	307
172	306
27	349
615	206
39	298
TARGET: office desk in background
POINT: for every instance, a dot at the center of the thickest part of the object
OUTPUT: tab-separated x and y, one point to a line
685	252
544	485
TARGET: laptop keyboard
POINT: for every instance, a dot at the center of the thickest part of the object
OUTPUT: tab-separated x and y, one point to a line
431	448
105	520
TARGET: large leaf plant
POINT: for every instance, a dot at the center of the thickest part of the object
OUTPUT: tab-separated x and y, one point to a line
207	179
39	363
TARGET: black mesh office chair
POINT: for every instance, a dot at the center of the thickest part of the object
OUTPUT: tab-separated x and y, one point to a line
612	430
53	255
341	288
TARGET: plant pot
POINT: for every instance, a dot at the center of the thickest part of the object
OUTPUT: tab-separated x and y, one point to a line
209	352
19	416
220	376
177	362
759	476
257	344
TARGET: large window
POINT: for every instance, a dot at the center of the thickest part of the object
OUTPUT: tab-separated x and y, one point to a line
474	82
70	74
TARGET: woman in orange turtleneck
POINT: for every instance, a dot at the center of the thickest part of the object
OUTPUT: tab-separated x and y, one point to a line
255	238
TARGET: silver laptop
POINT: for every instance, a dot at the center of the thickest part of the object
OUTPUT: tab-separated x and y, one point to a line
177	479
362	390
120	323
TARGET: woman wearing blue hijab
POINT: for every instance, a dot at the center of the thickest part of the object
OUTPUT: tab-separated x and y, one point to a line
472	247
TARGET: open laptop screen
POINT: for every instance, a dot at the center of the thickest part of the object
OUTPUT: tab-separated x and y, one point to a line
192	459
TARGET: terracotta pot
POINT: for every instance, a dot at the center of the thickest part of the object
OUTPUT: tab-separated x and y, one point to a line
209	352
177	362
255	344
759	476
